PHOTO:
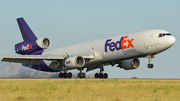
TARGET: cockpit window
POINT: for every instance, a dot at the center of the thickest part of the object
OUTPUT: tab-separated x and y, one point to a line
164	34
160	35
168	34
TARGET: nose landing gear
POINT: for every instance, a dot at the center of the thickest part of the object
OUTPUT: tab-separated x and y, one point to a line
149	60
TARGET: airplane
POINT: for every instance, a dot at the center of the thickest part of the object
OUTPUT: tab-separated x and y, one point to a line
123	51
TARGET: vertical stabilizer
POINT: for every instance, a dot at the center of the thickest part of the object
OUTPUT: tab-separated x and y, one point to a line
31	45
26	32
28	45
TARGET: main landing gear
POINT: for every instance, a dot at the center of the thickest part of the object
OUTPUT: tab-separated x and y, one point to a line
65	75
149	60
101	75
81	74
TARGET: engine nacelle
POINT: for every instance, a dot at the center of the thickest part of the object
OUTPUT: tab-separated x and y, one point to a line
130	64
31	47
44	43
74	62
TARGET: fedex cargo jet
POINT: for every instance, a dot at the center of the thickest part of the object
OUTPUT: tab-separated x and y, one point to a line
122	51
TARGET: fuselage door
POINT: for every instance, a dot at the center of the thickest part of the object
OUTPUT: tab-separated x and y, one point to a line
150	45
151	38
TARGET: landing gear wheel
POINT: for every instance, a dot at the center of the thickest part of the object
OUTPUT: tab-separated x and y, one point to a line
105	75
150	65
81	75
84	75
60	75
65	75
96	75
101	75
69	75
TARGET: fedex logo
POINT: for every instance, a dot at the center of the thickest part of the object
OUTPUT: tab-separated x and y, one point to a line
26	47
123	43
68	62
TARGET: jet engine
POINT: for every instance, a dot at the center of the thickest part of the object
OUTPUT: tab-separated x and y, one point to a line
130	64
26	47
74	62
44	43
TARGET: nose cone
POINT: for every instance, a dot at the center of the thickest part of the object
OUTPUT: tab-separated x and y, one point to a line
172	40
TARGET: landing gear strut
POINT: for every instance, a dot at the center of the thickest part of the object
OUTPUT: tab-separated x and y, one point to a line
81	75
149	60
101	75
65	75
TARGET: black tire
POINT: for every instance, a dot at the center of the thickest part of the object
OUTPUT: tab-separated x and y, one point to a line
149	65
152	65
83	75
60	75
96	75
79	75
65	75
105	75
101	75
69	75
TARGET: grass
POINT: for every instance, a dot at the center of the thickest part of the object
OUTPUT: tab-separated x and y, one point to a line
89	90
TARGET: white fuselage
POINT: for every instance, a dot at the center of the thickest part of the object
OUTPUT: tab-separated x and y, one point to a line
129	46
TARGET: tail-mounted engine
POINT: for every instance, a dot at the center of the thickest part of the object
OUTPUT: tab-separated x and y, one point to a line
43	43
25	47
130	64
74	62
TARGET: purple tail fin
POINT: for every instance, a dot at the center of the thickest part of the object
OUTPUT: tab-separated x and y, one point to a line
26	32
29	45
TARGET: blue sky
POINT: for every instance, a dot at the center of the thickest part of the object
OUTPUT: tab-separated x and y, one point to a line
75	21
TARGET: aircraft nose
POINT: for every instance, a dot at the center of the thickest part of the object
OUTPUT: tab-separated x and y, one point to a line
172	40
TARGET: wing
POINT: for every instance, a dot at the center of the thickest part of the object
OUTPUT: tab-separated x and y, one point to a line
34	59
30	59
